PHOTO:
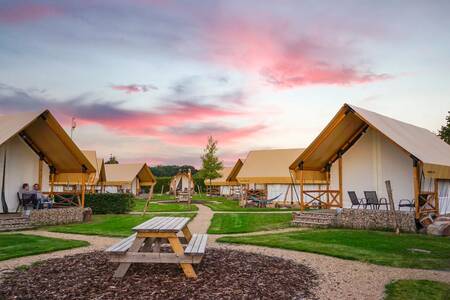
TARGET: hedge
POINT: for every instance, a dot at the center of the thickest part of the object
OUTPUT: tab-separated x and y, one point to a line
109	203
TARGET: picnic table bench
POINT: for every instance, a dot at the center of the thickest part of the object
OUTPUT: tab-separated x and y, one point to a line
145	244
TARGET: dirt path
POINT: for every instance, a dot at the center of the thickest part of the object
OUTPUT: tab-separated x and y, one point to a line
202	220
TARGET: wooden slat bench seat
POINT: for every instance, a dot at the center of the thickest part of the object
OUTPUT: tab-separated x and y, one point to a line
122	246
197	245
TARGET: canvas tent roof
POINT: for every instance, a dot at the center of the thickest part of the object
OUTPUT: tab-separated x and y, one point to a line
117	174
351	122
268	166
222	180
93	178
231	179
42	132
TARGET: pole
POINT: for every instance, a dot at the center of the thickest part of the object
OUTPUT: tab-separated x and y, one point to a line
392	205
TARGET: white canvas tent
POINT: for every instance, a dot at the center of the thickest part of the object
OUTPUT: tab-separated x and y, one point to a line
359	150
267	173
32	146
181	182
128	178
72	181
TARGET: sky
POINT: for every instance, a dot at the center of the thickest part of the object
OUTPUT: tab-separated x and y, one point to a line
149	81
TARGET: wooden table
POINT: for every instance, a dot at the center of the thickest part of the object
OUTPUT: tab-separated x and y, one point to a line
144	246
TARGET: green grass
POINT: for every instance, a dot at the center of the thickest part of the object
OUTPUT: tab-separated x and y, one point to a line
417	290
377	247
158	197
163	207
248	222
18	245
223	204
110	225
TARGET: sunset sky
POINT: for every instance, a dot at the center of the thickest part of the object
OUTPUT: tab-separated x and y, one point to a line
150	80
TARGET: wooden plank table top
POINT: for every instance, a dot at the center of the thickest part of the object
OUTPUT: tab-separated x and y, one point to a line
162	224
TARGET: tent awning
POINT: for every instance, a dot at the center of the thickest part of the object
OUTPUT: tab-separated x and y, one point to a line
118	174
42	132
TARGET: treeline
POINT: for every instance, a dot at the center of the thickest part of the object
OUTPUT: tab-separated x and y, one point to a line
172	170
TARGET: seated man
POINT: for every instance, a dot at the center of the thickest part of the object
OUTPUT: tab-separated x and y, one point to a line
27	197
24	190
42	200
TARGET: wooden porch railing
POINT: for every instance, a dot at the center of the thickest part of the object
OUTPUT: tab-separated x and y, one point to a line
317	199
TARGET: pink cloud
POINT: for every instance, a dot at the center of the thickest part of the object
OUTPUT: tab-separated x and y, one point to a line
284	58
26	13
134	88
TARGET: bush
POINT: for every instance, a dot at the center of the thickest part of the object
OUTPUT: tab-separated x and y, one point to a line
109	203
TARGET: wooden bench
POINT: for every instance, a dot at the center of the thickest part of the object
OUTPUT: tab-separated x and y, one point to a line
197	245
144	245
122	246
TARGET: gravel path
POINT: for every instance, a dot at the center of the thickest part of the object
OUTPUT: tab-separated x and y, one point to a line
202	220
96	243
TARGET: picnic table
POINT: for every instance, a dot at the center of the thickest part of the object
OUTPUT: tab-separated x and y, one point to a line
144	246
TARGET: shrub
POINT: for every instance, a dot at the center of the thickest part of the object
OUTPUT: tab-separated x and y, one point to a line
109	203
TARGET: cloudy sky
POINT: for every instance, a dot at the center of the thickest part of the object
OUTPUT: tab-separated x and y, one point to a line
150	80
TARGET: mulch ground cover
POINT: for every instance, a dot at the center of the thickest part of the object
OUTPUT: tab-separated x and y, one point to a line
223	274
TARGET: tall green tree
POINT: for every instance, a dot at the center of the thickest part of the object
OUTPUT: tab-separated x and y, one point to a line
112	160
444	132
211	165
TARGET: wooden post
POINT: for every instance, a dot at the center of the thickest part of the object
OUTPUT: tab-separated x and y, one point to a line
149	198
189	186
328	187
83	187
41	164
416	184
392	205
341	201
52	179
436	195
302	200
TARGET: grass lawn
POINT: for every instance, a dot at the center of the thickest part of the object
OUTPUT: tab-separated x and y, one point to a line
377	247
248	222
17	245
417	290
163	207
223	204
110	225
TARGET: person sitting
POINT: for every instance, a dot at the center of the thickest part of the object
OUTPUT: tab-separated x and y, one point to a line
42	200
27	198
25	189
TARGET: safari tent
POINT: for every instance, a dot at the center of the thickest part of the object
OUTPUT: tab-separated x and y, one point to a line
265	175
128	178
359	150
219	186
72	181
181	182
33	149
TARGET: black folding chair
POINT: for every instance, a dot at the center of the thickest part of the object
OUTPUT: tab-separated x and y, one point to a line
354	199
406	203
373	200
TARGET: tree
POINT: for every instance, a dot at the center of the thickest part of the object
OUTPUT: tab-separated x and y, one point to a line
444	133
211	165
112	160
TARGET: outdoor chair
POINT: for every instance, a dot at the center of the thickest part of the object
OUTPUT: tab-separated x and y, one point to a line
354	199
373	200
406	203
